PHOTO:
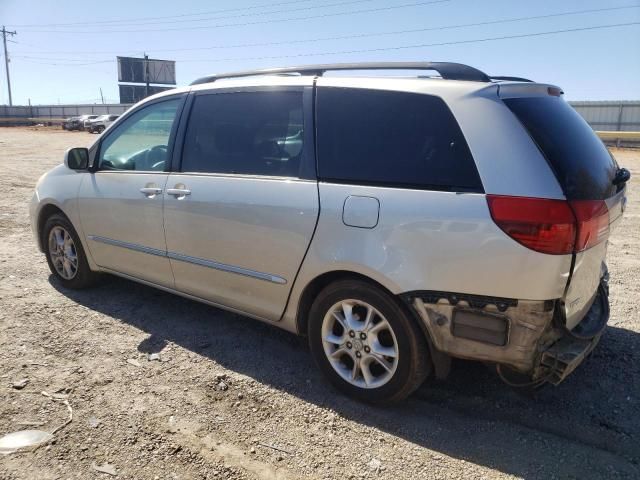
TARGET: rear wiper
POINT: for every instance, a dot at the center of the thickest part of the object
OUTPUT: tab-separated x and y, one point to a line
622	176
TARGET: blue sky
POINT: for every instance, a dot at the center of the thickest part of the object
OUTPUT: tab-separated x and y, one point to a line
69	63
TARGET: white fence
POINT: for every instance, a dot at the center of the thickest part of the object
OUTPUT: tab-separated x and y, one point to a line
602	116
611	116
53	114
617	123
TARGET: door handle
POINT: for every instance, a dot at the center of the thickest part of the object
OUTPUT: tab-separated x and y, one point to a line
151	191
178	192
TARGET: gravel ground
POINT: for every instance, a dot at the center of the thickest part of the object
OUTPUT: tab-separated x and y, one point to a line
229	397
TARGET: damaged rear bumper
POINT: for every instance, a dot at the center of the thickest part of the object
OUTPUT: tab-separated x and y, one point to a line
562	358
528	337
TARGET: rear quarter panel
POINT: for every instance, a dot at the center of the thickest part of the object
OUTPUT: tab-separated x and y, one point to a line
428	240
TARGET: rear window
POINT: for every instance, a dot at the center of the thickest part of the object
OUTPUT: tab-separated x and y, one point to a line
391	139
582	164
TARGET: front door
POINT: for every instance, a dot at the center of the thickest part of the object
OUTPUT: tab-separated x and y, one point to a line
239	215
121	203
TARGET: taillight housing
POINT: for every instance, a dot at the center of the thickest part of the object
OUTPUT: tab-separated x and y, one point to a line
555	227
592	217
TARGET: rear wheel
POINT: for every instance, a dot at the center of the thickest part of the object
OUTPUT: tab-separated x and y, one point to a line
366	344
65	255
100	128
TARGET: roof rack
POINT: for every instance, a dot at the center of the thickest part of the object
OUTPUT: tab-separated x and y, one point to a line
447	70
512	79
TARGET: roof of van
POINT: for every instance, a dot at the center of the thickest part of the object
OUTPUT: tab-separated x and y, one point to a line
467	78
447	70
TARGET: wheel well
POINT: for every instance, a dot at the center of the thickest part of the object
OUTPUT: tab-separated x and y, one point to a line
441	361
45	213
312	290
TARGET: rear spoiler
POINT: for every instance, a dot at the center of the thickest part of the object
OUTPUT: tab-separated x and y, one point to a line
531	89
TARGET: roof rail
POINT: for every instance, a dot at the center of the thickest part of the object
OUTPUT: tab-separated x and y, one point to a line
447	70
512	79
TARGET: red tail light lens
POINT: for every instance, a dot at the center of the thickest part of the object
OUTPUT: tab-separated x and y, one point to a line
593	222
543	225
555	227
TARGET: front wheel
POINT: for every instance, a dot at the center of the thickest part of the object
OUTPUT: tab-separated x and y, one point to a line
366	344
65	255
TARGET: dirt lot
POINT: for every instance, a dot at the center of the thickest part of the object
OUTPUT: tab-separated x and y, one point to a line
234	398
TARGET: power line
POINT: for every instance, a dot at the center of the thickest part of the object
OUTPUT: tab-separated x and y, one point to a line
240	15
257	22
419	45
70	62
398	32
404	47
354	36
18	55
270	4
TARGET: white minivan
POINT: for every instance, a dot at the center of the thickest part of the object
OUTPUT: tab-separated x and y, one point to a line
397	222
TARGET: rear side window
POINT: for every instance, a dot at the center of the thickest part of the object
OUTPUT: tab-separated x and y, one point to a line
252	133
582	164
392	139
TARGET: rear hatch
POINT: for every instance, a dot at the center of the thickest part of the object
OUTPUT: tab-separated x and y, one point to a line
588	175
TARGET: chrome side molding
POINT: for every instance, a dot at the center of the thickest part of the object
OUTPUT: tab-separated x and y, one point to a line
226	268
131	246
188	259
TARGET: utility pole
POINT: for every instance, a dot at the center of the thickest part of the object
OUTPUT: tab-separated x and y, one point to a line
101	96
146	74
5	32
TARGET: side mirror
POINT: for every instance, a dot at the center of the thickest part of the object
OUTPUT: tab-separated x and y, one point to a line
77	158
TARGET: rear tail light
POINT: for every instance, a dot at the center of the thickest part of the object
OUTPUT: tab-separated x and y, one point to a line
555	227
593	222
543	225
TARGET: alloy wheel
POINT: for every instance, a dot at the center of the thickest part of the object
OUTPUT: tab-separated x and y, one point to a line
360	344
62	252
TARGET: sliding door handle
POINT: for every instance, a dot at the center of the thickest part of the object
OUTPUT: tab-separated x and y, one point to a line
178	192
151	191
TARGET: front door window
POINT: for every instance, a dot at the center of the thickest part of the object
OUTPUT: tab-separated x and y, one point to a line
141	142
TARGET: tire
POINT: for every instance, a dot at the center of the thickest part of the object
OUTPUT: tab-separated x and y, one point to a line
79	275
389	379
100	129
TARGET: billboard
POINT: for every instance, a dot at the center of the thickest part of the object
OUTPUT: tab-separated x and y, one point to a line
135	93
132	70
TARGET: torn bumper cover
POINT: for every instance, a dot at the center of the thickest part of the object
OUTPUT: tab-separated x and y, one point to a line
563	356
528	337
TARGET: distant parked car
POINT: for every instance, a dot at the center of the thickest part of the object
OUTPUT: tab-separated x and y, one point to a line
101	123
87	119
71	123
77	123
